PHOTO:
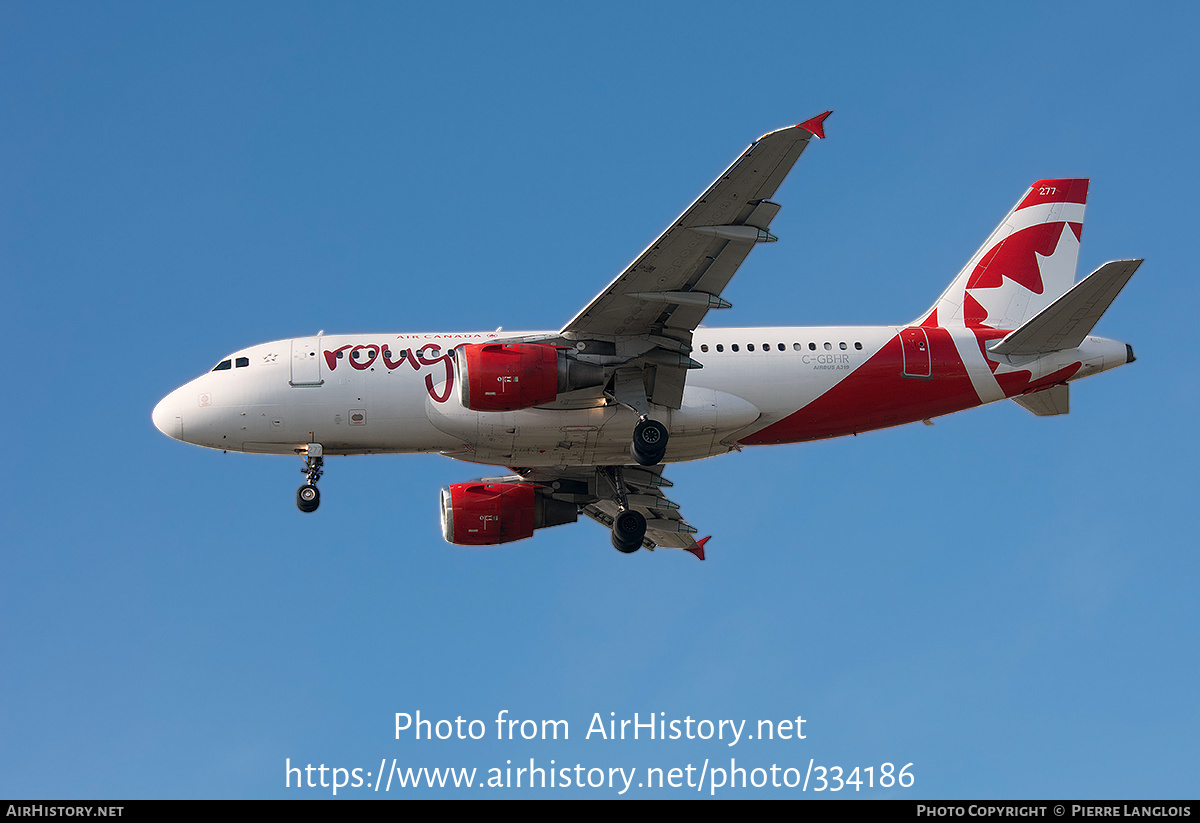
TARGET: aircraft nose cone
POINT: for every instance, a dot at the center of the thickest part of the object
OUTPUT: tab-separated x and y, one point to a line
168	416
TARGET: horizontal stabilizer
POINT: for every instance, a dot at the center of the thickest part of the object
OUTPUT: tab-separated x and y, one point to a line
1054	400
1069	319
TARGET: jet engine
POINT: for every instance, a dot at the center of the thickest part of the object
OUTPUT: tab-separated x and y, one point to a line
511	376
483	514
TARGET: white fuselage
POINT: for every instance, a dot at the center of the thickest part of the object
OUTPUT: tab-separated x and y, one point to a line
363	394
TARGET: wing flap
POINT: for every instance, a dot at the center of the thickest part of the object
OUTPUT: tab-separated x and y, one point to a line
679	258
711	279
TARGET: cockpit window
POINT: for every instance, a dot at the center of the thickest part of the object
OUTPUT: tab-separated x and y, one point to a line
223	365
242	361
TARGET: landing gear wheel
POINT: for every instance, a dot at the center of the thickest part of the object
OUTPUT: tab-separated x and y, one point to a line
629	529
649	442
308	498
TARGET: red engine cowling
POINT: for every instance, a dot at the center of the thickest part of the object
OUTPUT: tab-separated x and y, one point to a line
511	376
506	376
483	514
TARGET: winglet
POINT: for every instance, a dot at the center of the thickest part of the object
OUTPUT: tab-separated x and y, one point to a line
698	548
816	125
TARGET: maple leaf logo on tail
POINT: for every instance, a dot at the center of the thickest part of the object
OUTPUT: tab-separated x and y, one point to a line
1026	264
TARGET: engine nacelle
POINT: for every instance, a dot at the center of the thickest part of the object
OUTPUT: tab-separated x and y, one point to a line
511	376
483	514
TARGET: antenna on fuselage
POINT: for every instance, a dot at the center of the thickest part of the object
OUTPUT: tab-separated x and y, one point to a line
321	332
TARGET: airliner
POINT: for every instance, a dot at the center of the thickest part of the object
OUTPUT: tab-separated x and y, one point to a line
583	419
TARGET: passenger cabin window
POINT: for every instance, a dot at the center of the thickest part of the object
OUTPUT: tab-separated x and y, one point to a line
720	347
242	361
223	365
704	347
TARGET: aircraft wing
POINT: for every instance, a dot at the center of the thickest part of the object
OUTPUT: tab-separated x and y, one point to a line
598	490
666	292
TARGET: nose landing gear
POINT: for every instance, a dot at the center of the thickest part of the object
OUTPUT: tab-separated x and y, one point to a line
307	496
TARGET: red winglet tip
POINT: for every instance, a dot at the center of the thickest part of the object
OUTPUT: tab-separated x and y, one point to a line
816	125
698	549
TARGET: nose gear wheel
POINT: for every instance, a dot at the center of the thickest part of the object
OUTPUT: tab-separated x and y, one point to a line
307	496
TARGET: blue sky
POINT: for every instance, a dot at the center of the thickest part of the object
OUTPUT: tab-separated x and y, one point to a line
1004	601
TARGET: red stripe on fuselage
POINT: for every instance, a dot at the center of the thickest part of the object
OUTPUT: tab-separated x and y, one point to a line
877	395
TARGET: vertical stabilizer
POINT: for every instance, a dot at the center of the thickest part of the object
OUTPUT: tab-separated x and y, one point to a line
1026	264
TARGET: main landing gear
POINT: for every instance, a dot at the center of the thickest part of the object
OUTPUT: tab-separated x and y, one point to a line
628	531
649	436
307	496
649	442
629	526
